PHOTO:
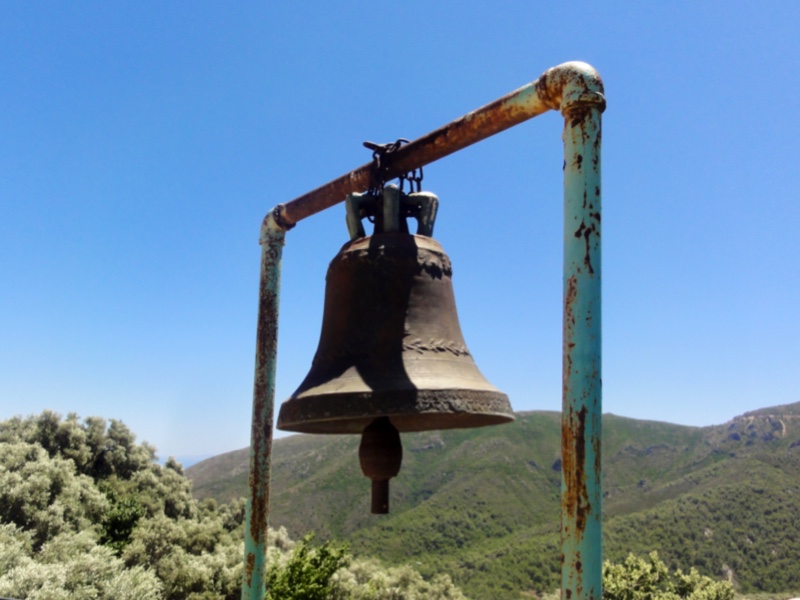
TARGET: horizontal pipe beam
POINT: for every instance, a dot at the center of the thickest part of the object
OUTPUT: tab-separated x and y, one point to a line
561	88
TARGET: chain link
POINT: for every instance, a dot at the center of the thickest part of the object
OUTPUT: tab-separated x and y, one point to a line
378	180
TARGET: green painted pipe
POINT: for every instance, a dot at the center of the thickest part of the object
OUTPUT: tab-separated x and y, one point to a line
581	416
255	537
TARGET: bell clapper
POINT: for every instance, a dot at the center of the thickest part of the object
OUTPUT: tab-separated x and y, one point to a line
380	454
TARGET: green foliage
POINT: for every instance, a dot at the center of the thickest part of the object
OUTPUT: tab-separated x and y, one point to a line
300	571
730	525
370	580
483	505
191	557
120	519
308	572
96	448
649	578
43	495
69	566
479	505
85	512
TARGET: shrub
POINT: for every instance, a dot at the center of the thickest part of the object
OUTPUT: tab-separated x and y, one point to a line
649	578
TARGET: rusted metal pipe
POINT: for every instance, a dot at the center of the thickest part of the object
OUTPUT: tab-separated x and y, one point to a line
255	536
581	525
571	83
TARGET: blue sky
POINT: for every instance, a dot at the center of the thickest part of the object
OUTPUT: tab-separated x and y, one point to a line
141	143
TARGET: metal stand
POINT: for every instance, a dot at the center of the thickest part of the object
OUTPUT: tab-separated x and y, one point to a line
576	90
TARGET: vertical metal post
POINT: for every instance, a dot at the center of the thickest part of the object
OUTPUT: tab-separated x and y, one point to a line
255	537
581	529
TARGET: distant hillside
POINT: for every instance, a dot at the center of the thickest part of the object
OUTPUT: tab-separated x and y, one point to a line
484	504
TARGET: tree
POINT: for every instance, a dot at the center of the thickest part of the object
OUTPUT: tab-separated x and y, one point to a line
121	518
306	575
649	578
70	566
44	495
86	513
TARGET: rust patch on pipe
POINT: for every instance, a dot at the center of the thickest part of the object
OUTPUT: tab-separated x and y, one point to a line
542	87
569	300
596	151
597	447
579	115
569	324
585	232
575	500
249	567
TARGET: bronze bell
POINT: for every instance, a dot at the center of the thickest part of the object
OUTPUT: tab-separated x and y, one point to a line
391	356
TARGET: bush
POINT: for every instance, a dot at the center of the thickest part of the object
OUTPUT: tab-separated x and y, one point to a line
70	566
307	574
87	514
369	580
649	578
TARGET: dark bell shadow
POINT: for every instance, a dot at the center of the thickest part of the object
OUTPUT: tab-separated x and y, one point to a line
366	303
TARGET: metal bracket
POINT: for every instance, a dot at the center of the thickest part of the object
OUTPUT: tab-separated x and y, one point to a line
390	211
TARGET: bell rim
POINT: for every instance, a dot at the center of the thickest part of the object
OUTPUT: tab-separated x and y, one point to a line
417	410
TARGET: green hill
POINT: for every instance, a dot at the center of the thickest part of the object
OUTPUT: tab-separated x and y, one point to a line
483	505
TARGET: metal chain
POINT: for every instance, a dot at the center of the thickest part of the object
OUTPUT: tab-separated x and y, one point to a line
415	180
377	180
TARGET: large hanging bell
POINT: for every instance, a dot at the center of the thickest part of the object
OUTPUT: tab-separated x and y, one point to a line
391	356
